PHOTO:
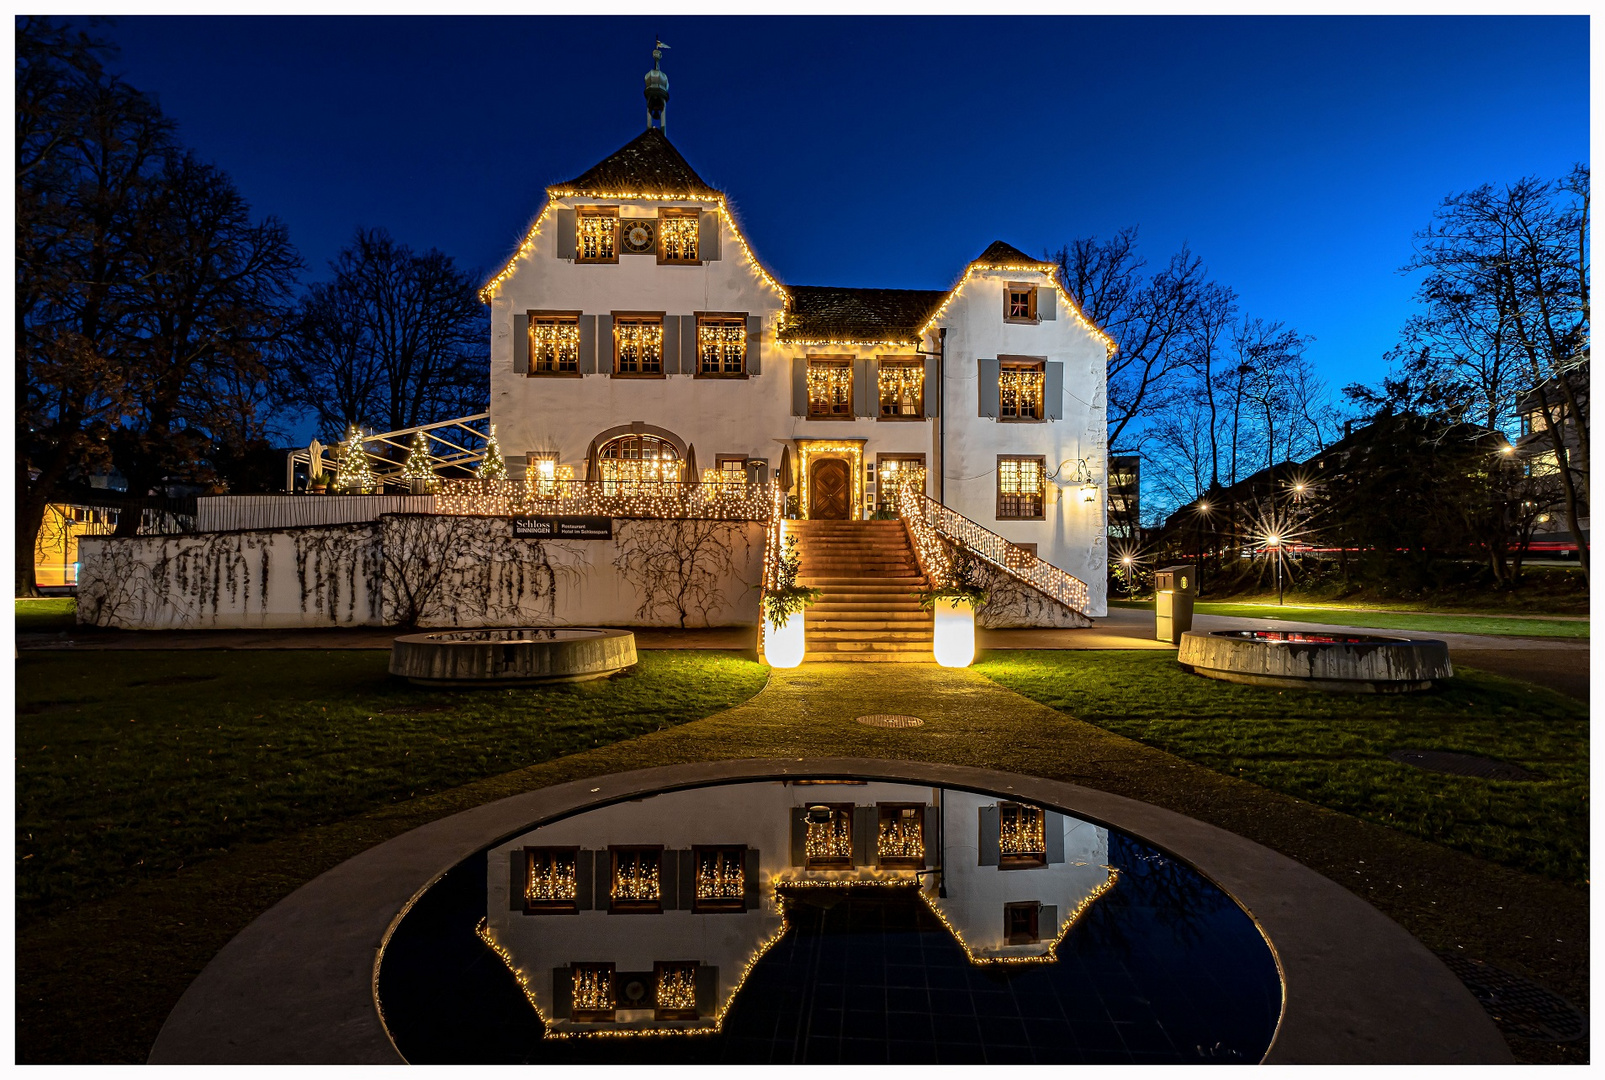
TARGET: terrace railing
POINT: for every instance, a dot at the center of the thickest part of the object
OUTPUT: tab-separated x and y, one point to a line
667	499
453	445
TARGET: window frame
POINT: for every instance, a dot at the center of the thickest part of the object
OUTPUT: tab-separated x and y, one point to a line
580	214
719	316
891	811
670	213
831	862
532	316
1017	860
838	362
881	487
659	1012
1027	364
594	1016
711	905
900	362
1042	497
1030	290
640	905
570	906
637	317
1030	908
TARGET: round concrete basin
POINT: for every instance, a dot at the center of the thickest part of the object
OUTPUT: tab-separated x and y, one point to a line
1340	663
510	657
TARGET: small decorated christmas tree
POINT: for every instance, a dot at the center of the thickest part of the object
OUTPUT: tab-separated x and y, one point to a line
351	472
418	471
493	467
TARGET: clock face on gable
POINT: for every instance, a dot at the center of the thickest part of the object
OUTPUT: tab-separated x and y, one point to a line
638	235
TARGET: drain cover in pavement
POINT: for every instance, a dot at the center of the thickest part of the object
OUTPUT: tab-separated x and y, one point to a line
890	720
1519	1006
1443	761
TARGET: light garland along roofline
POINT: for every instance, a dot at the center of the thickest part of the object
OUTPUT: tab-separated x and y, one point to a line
1048	268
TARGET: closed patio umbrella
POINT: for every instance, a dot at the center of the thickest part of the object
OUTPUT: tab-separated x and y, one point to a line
691	474
784	475
593	467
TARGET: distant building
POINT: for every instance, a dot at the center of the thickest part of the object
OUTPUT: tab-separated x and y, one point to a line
1125	497
1536	448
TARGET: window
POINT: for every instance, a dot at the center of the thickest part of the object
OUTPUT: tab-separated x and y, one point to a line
721	879
1020	390
554	344
636	886
1021	923
638	345
677	237
540	473
676	997
1021	486
721	345
828	844
830	389
630	461
1019	303
895	471
902	389
729	469
1022	841
593	1000
550	882
596	234
900	835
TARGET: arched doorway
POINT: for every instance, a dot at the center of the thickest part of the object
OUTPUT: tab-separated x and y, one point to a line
829	489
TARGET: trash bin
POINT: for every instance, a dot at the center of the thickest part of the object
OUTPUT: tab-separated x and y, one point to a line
1174	590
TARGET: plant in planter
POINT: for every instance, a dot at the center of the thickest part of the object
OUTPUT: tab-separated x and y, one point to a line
954	606
783	607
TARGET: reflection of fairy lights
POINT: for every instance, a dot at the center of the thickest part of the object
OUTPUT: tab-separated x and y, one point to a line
636	877
551	878
677	986
831	839
1020	831
593	988
719	876
901	837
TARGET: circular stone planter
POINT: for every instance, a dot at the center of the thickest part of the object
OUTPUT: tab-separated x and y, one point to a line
1337	663
510	657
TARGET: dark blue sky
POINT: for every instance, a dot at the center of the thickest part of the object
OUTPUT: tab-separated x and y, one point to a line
1296	155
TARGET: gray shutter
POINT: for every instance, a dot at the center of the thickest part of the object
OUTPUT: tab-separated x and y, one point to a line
604	880
750	871
1048	922
754	344
669	879
1053	389
517	879
708	236
933	388
799	835
588	344
987	383
671	344
1047	303
1053	835
933	836
689	361
565	234
562	993
688	879
604	345
584	879
706	989
866	398
799	386
988	839
520	344
864	847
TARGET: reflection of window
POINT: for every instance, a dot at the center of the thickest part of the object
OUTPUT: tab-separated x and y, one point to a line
830	389
554	344
550	883
721	344
828	844
1020	391
638	345
596	235
721	879
1021	923
636	886
902	389
593	993
676	990
1020	303
1021	487
900	835
677	236
1022	841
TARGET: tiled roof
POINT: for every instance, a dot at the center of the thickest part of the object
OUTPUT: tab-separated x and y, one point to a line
648	164
824	313
1001	254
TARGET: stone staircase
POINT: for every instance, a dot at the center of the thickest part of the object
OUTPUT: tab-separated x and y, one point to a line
868	574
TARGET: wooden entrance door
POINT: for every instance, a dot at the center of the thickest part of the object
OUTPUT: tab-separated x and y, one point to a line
828	489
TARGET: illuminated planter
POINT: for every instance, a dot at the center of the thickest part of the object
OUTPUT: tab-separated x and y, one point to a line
953	641
784	648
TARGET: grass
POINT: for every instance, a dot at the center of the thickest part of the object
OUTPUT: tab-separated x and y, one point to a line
46	615
136	764
1331	749
1430	622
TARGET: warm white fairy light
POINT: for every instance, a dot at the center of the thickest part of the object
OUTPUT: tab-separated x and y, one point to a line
492	467
635	877
678	235
719	877
830	387
593	988
854	452
552	878
351	471
901	837
677	986
418	468
831	839
554	344
721	346
1020	393
626	498
1047	269
596	236
1021	832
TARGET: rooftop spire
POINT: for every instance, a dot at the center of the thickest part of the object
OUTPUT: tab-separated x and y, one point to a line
657	91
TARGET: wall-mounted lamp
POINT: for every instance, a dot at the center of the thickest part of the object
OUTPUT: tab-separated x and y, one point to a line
1089	492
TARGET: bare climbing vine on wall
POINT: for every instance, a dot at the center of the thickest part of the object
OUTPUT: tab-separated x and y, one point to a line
680	567
462	571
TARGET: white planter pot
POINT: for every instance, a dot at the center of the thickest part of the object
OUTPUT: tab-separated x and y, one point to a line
784	648
953	642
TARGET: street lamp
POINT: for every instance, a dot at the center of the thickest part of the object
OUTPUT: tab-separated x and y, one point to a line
1274	540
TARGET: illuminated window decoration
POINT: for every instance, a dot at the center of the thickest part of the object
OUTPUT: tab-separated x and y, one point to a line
554	344
728	474
1022	840
638	346
677	236
721	880
721	345
900	836
636	886
902	389
895	474
1021	488
632	464
596	236
542	476
1020	393
352	473
551	881
418	470
676	990
828	844
830	388
492	467
593	998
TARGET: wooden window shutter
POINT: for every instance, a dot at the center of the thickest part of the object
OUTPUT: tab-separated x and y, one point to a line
1053	390
687	880
671	344
989	836
754	344
987	383
517	880
750	869
933	387
669	878
584	869
604	879
866	396
705	988
708	235
520	344
933	832
566	242
588	344
562	993
603	359
690	356
865	852
1053	835
1047	303
799	386
799	835
1048	922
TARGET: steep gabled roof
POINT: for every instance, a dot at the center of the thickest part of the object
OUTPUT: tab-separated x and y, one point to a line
827	313
647	164
1004	255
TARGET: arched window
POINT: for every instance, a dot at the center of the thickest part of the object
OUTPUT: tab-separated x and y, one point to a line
630	460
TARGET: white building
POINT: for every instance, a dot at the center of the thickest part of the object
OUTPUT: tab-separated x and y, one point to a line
635	323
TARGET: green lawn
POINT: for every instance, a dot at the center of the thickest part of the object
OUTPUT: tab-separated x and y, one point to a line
133	764
1429	622
1331	749
46	614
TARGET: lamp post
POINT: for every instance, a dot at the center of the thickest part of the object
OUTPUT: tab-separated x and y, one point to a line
1275	541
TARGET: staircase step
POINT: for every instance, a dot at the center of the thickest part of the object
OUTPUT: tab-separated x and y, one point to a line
910	584
889	620
817	638
869	658
916	647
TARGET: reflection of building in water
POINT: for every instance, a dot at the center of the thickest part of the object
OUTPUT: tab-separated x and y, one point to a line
649	914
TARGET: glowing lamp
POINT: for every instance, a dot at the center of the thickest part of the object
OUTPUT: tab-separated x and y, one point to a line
1089	493
784	648
1203	508
1126	559
953	642
1273	540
